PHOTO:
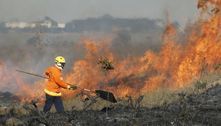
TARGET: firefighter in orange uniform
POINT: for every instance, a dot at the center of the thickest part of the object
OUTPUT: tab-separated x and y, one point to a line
54	85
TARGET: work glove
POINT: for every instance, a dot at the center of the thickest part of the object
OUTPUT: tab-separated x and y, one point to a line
72	87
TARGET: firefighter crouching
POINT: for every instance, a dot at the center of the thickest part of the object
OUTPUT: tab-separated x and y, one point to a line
54	84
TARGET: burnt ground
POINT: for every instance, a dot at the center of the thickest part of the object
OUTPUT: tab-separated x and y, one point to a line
196	109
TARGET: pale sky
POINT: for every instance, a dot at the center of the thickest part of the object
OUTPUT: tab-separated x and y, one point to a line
67	10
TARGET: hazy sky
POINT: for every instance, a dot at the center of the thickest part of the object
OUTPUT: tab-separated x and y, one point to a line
67	10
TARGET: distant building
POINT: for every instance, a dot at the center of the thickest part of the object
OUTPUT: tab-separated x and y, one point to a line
61	25
20	25
47	22
43	23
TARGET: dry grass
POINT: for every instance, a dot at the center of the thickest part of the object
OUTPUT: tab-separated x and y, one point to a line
160	97
164	96
77	103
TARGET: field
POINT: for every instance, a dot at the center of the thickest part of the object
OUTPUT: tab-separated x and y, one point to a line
201	107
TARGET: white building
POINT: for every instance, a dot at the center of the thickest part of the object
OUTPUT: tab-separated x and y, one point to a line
20	25
61	25
43	23
46	23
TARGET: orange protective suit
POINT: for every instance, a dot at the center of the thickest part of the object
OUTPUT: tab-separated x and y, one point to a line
55	81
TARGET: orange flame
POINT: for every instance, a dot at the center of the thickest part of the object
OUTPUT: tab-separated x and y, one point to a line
174	66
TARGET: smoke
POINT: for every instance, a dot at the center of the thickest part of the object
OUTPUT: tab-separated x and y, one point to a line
34	52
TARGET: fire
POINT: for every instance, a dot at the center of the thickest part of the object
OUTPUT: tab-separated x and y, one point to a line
13	82
174	66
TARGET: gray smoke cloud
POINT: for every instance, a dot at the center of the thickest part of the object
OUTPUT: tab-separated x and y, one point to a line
35	52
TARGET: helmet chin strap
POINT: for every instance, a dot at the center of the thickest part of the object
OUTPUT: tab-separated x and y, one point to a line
59	66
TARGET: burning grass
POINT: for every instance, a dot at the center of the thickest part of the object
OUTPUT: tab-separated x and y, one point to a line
156	75
175	86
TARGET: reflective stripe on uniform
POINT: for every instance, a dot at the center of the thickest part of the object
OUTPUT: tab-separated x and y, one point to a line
52	93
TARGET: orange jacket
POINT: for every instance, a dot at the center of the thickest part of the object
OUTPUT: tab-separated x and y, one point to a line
55	81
